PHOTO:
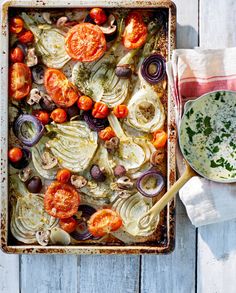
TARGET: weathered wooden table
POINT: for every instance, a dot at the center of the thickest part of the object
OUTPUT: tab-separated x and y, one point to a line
204	260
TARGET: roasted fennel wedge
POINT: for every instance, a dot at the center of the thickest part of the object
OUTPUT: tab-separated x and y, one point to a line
133	153
131	209
74	144
50	42
38	152
28	214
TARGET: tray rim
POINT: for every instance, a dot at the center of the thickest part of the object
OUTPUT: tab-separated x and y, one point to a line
170	209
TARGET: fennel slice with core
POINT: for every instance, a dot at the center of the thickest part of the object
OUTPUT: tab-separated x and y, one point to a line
49	42
132	153
37	152
130	210
99	192
28	217
74	144
99	81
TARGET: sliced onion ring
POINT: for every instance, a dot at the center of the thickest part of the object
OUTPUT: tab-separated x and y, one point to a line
95	124
159	63
22	134
147	179
81	232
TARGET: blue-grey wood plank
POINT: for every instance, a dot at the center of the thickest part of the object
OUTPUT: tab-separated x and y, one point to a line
48	274
108	274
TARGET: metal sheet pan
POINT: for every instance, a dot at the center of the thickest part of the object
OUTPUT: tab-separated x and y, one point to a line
166	230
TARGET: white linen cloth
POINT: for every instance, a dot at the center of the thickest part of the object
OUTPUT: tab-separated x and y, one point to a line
192	73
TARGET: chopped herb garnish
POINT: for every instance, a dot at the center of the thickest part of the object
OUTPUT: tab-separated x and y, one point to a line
217	139
227	124
189	113
190	133
186	152
217	96
207	122
233	145
225	135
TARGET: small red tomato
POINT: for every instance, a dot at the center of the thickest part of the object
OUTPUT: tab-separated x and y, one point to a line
59	115
25	37
68	224
107	133
98	15
63	175
15	154
85	103
100	110
121	111
16	25
17	55
159	139
42	116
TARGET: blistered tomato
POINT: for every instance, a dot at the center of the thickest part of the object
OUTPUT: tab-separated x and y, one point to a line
25	37
59	115
63	175
16	25
159	139
121	111
15	155
98	15
107	133
68	225
17	55
85	103
42	116
100	110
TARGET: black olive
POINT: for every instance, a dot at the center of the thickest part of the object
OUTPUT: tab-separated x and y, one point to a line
25	160
123	71
34	184
119	171
47	104
38	74
73	111
97	174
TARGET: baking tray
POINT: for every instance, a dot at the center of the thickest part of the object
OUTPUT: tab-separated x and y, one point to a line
166	229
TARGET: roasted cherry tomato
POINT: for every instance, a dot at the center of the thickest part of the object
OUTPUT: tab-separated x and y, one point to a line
59	115
17	55
159	139
59	88
25	37
135	33
61	200
100	110
98	15
121	111
15	154
68	224
103	222
16	25
107	133
63	175
42	116
85	42
20	81
85	103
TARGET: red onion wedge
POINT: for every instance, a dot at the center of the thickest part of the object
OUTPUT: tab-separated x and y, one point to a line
150	183
153	68
81	232
28	129
95	124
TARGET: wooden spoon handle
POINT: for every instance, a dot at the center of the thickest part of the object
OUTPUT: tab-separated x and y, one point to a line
154	212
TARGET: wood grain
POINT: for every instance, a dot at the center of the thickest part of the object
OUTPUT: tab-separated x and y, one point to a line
217	243
48	274
115	274
9	273
176	272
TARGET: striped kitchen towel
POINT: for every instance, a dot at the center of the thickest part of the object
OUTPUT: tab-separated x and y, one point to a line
192	73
